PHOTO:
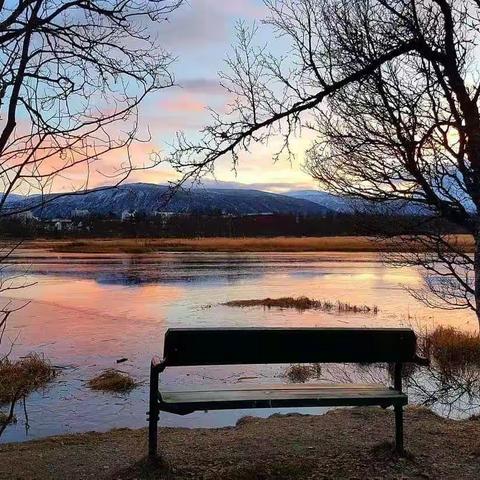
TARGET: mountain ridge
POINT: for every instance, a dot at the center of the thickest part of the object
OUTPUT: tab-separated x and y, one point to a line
150	199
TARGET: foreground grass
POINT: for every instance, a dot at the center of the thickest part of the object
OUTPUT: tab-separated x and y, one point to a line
272	244
342	444
112	380
303	303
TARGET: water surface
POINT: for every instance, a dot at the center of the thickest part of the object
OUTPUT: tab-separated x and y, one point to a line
86	311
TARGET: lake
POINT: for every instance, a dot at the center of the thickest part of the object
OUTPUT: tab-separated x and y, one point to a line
87	311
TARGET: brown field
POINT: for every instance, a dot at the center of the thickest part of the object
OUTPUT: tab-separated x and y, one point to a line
270	244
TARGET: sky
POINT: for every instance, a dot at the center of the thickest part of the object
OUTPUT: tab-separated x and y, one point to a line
200	34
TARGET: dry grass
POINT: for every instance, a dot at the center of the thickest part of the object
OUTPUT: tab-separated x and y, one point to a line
303	303
5	418
112	380
451	349
277	244
221	244
22	377
301	373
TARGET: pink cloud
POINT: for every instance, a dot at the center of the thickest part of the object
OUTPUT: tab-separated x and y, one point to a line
183	103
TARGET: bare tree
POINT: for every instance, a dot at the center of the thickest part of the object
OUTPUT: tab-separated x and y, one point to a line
391	89
407	135
72	76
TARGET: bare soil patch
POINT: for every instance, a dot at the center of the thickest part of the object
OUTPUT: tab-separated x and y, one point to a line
343	444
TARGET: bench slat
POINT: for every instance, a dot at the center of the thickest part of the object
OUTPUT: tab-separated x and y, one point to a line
236	346
272	386
267	396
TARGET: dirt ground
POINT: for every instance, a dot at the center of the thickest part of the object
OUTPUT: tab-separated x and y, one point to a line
342	444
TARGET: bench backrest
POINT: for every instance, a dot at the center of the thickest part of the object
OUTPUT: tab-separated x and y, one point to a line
235	346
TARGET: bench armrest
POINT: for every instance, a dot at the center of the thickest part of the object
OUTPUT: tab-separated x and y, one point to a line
157	364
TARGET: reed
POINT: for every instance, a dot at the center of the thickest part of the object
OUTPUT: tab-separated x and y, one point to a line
303	303
301	373
236	244
112	380
451	349
24	376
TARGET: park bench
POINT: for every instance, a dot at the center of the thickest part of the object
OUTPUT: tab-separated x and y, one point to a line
236	346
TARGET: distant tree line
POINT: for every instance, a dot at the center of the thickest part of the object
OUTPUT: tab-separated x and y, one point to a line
215	225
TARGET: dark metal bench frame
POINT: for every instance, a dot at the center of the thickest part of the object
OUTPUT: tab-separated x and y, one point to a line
235	346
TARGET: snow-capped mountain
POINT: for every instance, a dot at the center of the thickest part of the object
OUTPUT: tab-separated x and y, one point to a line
339	204
149	199
332	202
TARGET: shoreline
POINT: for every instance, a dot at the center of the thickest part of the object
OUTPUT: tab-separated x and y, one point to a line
347	244
342	443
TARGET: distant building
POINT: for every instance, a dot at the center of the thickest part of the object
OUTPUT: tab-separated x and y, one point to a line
259	214
60	224
24	217
79	213
158	213
128	215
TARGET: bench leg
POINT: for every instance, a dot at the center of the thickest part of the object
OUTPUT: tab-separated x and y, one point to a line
152	434
153	412
399	429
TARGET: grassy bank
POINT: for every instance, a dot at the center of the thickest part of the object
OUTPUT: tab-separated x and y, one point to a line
272	244
343	444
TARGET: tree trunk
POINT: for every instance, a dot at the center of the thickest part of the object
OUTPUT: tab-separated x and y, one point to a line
476	266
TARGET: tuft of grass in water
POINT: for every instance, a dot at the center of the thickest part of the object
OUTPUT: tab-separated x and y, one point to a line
451	349
302	304
112	380
6	419
301	373
24	376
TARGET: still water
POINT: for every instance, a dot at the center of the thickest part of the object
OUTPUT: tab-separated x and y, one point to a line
84	312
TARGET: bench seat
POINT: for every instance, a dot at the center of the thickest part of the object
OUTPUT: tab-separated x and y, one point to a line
225	397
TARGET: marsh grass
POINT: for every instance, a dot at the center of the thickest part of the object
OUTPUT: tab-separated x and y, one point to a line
301	373
303	303
237	244
210	244
112	380
6	419
21	377
451	349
